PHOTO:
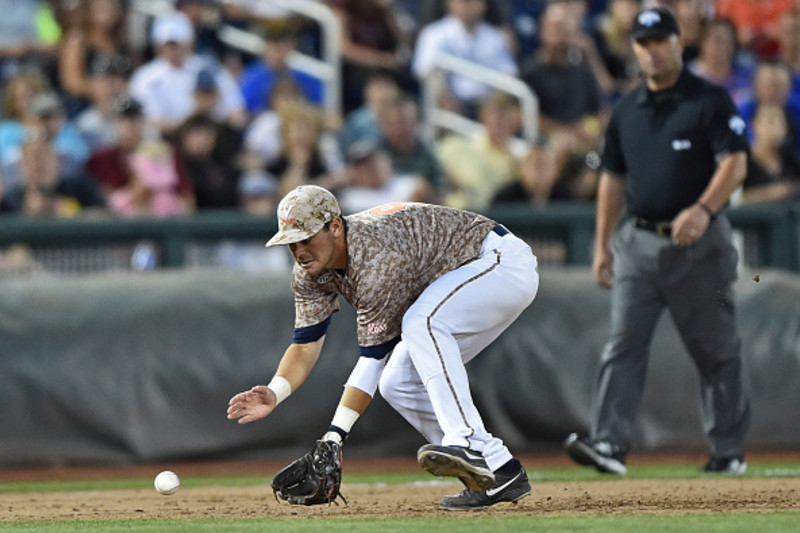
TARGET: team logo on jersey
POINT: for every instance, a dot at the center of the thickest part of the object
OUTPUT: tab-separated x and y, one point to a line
649	19
736	124
376	328
680	145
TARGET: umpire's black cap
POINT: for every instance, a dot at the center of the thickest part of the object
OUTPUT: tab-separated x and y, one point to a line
655	23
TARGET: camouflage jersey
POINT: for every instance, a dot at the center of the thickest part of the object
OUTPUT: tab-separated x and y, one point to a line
394	252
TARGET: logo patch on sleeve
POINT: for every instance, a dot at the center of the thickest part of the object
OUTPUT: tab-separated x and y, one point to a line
736	124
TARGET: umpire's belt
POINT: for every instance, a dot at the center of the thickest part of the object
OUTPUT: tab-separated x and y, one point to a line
662	228
500	230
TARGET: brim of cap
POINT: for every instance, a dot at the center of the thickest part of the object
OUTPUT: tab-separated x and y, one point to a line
651	34
288	236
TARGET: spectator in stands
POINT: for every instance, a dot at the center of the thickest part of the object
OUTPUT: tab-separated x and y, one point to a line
755	22
772	84
538	177
477	167
612	34
165	86
692	18
258	193
550	173
721	61
113	170
207	98
362	123
371	180
45	110
463	33
206	17
108	80
371	41
29	36
19	92
399	128
263	139
303	158
205	155
98	32
260	76
153	187
47	186
773	171
572	104
789	41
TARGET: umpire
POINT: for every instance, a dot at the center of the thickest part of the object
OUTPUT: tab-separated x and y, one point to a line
675	151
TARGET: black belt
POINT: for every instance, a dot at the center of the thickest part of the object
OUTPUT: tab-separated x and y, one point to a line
500	230
659	227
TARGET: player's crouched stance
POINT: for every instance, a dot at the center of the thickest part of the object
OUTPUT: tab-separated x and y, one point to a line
433	286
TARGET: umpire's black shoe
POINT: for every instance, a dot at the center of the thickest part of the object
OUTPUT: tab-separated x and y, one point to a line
602	455
456	461
725	465
508	487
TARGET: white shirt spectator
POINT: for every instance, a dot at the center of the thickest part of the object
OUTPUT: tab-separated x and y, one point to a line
167	92
486	46
166	88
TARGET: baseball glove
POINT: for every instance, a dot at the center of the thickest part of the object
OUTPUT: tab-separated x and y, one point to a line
312	479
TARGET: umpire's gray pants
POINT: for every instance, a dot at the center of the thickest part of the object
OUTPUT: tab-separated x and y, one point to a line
696	284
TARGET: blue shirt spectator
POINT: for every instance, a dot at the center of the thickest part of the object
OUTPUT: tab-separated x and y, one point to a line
72	150
259	77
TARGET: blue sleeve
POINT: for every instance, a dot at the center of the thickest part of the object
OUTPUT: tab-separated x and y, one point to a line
311	333
379	351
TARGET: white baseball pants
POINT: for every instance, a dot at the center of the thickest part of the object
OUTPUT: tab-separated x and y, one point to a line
452	321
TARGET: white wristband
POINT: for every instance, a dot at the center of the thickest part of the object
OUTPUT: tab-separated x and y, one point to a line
281	387
345	418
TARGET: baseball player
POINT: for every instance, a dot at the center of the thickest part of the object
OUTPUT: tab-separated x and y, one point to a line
432	286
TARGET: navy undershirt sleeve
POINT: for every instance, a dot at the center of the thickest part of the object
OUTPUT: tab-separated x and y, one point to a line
311	333
378	351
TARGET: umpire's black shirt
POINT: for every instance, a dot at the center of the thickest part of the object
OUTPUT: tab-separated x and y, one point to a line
666	144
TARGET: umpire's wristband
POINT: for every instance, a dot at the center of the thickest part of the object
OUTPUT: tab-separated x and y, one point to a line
281	387
711	214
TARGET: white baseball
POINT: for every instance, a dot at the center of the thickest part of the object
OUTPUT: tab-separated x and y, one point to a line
167	483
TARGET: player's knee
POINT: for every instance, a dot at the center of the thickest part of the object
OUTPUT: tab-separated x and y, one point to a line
389	386
414	320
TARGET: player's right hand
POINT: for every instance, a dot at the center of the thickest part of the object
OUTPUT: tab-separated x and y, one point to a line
603	268
252	405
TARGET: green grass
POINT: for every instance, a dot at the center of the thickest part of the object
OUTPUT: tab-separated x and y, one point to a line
727	523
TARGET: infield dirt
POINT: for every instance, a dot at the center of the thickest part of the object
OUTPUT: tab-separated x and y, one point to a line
592	497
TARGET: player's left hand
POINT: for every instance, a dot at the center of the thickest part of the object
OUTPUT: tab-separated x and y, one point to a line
252	405
689	225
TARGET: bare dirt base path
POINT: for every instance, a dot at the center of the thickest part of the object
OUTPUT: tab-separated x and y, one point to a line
413	500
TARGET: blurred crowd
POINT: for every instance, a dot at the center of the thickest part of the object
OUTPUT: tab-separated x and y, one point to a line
111	110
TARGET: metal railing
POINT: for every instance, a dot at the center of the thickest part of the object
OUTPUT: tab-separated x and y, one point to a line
436	117
561	235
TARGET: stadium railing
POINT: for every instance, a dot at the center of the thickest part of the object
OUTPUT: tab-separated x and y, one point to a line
561	234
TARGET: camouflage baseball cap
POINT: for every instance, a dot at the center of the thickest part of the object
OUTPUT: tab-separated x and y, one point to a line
302	213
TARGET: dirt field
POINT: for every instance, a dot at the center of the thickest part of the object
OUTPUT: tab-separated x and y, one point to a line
605	496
